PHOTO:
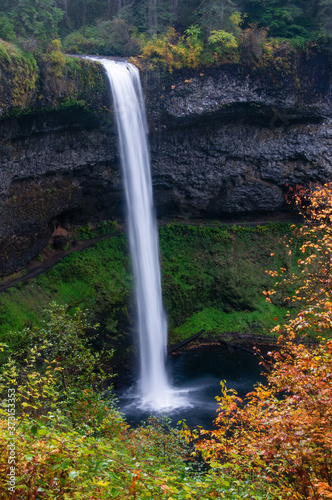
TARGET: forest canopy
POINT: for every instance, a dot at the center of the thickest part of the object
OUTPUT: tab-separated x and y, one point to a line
127	27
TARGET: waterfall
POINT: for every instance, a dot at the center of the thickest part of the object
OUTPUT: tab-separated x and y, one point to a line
154	389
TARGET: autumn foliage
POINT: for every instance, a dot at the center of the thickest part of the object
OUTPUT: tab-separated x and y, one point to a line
72	442
170	50
282	431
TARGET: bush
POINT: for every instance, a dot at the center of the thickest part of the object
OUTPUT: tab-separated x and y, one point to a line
6	28
170	50
282	431
111	38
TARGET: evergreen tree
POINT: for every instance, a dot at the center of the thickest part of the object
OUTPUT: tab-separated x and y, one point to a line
6	28
37	18
283	18
325	17
151	16
215	15
174	8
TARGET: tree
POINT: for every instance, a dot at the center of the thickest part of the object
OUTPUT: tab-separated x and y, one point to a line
174	7
83	13
153	16
215	15
61	359
283	18
113	7
282	431
38	19
6	28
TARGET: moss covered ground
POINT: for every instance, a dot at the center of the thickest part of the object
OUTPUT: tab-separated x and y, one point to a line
213	277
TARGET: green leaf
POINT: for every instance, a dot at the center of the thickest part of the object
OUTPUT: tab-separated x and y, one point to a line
34	430
42	432
56	466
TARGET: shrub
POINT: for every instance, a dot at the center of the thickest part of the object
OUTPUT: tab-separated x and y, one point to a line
6	28
282	431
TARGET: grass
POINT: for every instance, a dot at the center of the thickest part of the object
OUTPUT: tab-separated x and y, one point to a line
221	323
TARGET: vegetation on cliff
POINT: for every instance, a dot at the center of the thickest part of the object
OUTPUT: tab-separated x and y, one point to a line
18	77
47	80
173	33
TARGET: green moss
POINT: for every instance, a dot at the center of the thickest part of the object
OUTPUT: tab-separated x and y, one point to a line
18	77
221	323
212	277
96	279
220	267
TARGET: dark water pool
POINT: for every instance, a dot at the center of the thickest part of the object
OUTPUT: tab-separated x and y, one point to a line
196	373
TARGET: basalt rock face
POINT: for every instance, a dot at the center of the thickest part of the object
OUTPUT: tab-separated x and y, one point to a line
228	141
224	141
56	169
237	168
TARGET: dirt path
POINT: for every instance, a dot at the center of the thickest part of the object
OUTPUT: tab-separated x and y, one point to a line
36	267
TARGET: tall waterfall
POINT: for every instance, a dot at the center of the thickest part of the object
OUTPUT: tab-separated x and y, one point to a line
155	392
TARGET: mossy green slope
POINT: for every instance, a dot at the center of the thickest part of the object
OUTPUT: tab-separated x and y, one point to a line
96	279
213	278
31	83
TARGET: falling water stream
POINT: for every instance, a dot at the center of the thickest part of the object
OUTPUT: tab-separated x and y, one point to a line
196	377
154	388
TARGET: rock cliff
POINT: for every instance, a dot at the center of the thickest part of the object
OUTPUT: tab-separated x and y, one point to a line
229	140
224	141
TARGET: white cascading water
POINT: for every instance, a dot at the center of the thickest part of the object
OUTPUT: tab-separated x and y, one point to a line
155	392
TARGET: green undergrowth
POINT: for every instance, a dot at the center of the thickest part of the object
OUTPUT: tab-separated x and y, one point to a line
213	277
225	324
97	279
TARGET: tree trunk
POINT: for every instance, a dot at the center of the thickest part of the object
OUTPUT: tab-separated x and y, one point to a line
184	342
65	8
113	7
153	16
84	19
175	9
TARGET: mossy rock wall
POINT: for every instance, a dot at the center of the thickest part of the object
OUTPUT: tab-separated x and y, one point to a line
28	84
